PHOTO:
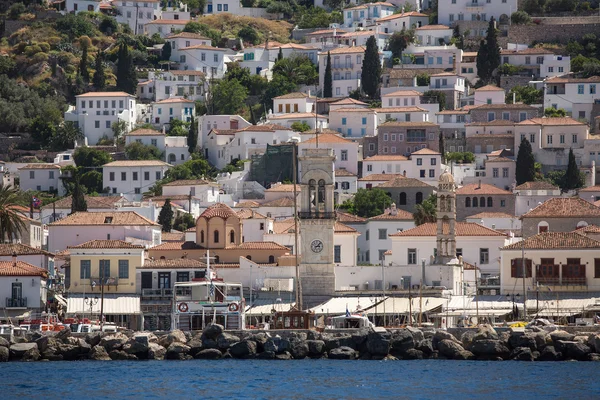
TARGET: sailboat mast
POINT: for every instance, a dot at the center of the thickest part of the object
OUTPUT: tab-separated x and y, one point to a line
295	178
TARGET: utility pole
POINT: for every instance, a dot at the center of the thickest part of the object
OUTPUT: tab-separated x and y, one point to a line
476	295
410	306
524	276
295	178
102	279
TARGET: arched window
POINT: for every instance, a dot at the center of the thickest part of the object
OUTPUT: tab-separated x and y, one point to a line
468	202
490	202
543	227
202	236
271	259
322	192
475	202
419	198
312	192
216	236
232	236
172	158
249	257
402	200
482	202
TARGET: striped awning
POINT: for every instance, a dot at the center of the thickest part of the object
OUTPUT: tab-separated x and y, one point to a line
113	305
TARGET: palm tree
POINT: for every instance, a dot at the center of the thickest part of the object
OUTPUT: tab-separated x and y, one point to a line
11	222
426	211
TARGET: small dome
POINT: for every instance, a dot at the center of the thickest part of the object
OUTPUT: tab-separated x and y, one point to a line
218	210
446	177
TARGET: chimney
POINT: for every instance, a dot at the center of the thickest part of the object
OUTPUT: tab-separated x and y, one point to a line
479	186
393	210
14	257
514	97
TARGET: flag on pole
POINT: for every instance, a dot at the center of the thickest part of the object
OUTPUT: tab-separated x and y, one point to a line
212	289
347	312
37	202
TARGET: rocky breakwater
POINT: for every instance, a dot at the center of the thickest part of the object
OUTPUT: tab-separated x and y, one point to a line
365	344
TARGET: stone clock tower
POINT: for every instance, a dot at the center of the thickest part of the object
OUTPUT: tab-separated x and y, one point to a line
317	221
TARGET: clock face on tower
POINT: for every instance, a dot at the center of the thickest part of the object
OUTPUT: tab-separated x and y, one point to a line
316	246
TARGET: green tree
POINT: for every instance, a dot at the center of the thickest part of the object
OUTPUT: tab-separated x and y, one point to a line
520	18
278	86
15	11
76	25
300	126
488	56
328	79
99	79
526	94
83	62
442	147
399	41
92	181
184	222
554	112
334	4
439	96
108	25
78	202
525	166
426	211
465	157
371	71
11	221
41	130
119	128
178	128
165	217
66	136
573	178
249	35
228	97
298	69
139	151
165	53
423	79
192	137
126	73
369	203
89	157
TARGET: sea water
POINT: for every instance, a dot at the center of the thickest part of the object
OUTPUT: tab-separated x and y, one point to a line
300	379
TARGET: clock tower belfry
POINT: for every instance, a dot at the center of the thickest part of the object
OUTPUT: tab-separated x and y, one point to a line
317	223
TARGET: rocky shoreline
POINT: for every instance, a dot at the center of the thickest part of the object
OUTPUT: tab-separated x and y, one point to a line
484	343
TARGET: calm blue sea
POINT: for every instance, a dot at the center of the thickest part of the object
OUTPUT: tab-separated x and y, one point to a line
314	379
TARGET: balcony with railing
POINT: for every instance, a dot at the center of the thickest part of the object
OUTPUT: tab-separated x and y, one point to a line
156	294
572	275
474	4
316	215
16	302
343	65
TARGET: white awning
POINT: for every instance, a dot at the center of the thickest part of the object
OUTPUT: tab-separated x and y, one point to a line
339	305
402	305
267	309
113	305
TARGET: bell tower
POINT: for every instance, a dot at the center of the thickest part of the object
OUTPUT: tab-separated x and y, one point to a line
317	222
446	219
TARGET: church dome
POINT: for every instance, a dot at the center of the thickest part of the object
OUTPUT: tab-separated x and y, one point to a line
446	177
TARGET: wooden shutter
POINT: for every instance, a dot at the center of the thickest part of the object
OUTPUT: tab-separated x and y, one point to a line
529	267
513	268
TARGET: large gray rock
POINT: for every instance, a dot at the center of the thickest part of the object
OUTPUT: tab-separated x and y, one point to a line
4	354
359	337
484	332
489	348
4	342
416	333
243	349
343	353
266	355
403	340
46	341
209	354
550	354
140	349
212	331
595	341
561	335
378	344
144	338
225	340
99	353
121	355
276	344
523	339
32	354
63	335
156	352
114	342
69	352
464	355
576	350
442	335
18	350
299	349
413	354
177	351
316	348
425	346
522	354
94	338
283	356
467	338
175	336
449	348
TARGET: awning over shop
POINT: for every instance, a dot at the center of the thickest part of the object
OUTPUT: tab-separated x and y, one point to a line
113	305
267	309
402	305
472	313
339	305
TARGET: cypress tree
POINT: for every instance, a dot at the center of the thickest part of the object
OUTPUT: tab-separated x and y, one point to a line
192	139
328	80
483	62
165	217
525	163
99	79
488	56
166	51
572	176
371	69
442	144
126	73
78	202
280	55
83	65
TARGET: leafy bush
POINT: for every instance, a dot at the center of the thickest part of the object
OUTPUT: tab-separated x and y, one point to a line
75	25
16	10
520	18
300	126
509	69
249	35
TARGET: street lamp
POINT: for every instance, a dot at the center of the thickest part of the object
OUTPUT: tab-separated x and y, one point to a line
91	302
515	299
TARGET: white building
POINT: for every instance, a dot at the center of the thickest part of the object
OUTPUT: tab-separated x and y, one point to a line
41	177
489	94
261	58
61	208
367	14
536	61
295	102
531	194
346	185
164	27
164	111
220	123
210	60
137	13
405	20
205	191
132	178
174	148
162	85
345	150
575	95
95	112
451	11
22	287
436	35
77	6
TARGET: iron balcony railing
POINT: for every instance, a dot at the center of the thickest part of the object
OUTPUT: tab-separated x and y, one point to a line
19	302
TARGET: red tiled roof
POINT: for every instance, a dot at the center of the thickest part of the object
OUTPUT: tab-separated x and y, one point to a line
401	181
8	249
188	182
557	121
461	228
259	246
172	236
177	246
284	187
491	215
281	202
343	172
426	152
20	268
560	207
489	88
590	189
247	204
327	138
116	218
179	263
348	218
386	157
380	177
145	132
340	228
537	185
39	166
218	210
401	215
555	240
484	188
106	244
246	213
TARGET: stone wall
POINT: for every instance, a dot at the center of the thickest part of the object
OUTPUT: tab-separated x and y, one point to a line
507	82
555	32
530	225
497	141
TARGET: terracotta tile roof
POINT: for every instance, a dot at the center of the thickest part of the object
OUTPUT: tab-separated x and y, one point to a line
560	207
406	14
590	189
499	159
530	50
325	32
409	124
187	72
8	249
452	112
284	226
106	244
403	182
363	33
388	253
174	100
555	240
39	166
597	203
137	163
327	138
188	182
348	218
145	132
343	172
589	229
492	135
348	101
202	47
283	187
218	210
559	121
491	215
425	152
248	204
341	228
496	122
264	128
168	21
537	185
447	73
403	93
187	35
321	131
115	218
181	245
259	246
380	177
170	197
20	268
409	73
345	50
179	263
432	27
484	188
294	46
227	132
570	79
489	88
246	213
501	152
281	202
172	236
294	95
105	94
386	157
401	215
296	115
400	109
462	229
365	110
